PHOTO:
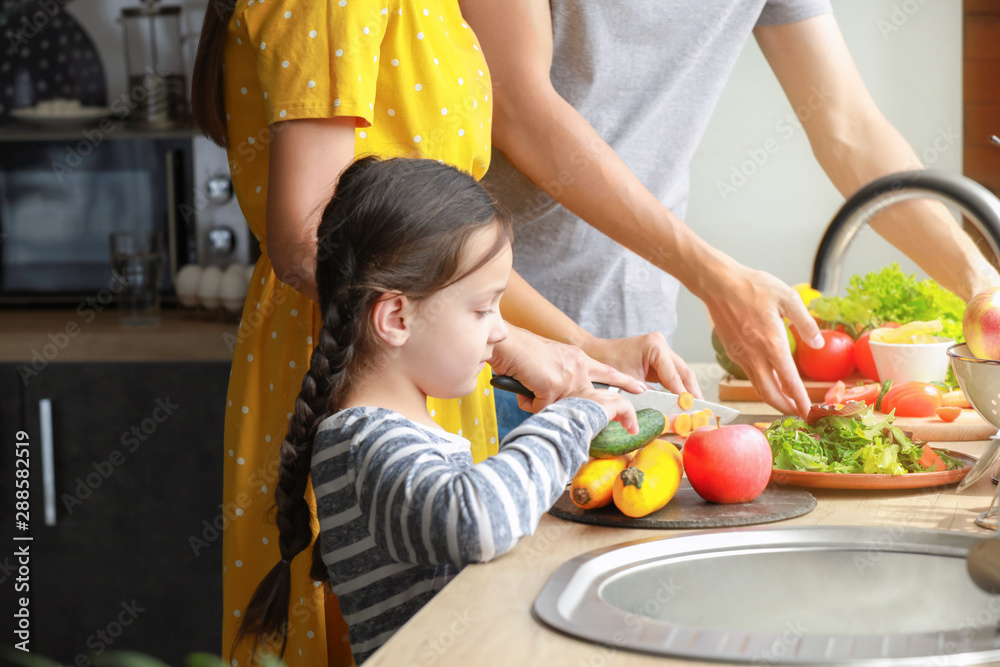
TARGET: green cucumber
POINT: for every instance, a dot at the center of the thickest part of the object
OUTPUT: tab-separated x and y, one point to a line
885	389
614	440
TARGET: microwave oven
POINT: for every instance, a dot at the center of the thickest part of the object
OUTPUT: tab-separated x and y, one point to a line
63	193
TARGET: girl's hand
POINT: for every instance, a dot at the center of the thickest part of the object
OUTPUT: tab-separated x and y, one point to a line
553	370
648	357
617	407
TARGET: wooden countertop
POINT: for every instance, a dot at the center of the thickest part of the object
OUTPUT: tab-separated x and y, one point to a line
484	615
68	335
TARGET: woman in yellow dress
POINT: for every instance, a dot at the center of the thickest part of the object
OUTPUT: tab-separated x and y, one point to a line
295	91
391	78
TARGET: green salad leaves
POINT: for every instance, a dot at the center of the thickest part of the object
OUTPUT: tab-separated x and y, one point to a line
890	295
863	442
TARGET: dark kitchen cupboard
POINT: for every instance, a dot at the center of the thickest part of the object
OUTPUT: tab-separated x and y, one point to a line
138	469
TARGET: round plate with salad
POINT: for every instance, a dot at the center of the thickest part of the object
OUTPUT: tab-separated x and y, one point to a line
850	446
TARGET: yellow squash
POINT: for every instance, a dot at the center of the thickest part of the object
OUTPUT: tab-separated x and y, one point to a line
650	480
591	486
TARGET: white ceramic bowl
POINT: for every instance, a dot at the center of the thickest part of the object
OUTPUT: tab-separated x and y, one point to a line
903	362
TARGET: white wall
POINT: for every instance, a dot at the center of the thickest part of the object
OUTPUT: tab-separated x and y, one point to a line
909	54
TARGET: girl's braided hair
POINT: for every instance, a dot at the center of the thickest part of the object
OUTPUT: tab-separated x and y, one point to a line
395	225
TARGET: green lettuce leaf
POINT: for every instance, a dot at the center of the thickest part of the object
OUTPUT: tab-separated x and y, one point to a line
864	443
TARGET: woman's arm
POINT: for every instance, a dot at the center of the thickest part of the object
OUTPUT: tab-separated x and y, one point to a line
855	144
552	144
646	357
306	158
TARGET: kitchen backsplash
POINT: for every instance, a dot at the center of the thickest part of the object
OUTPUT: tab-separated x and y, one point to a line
74	49
46	55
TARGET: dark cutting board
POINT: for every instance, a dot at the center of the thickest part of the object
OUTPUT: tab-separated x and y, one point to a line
689	510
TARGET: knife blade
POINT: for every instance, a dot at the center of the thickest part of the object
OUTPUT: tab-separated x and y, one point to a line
663	401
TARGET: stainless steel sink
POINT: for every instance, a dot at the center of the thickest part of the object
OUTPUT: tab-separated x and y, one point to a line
797	595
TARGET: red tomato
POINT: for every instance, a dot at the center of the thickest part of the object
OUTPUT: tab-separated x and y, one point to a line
841	393
930	459
863	358
948	414
913	399
863	392
835	394
834	361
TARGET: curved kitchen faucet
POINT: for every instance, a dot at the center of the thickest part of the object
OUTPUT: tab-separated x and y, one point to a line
979	205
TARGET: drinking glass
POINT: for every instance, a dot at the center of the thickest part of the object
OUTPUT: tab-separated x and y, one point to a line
137	265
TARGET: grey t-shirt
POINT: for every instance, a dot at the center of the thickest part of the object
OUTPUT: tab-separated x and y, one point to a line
647	75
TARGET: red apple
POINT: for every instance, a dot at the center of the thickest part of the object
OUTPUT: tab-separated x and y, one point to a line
727	464
981	324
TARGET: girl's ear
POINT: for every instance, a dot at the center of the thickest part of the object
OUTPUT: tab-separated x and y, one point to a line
390	319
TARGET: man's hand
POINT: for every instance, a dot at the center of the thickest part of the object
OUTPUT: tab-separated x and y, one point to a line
646	356
747	310
554	370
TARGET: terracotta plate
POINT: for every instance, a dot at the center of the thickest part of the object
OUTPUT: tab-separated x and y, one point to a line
842	480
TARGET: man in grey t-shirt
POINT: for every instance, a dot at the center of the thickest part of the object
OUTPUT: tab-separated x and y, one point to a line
598	109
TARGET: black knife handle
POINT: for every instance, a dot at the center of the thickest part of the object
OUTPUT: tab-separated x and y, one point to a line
507	383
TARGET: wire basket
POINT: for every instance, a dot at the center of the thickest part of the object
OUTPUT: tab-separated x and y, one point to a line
980	381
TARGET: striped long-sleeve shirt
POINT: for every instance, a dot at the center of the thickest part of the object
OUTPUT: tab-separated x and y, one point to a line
401	506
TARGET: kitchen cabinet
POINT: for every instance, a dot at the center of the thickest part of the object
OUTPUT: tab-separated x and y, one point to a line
981	98
130	563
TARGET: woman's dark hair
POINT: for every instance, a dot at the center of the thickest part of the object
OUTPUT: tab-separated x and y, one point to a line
396	225
208	99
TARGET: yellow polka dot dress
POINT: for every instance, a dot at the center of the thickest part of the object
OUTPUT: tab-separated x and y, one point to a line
413	75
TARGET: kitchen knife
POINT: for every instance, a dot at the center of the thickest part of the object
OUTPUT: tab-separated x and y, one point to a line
663	401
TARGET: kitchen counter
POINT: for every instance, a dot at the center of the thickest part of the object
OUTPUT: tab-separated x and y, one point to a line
483	617
47	335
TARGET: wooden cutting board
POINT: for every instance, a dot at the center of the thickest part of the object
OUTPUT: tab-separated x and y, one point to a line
969	426
689	510
741	391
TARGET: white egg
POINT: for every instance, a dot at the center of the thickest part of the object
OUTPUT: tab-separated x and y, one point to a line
233	289
208	287
186	284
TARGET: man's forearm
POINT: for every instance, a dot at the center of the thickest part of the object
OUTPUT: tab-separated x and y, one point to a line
855	144
923	230
565	157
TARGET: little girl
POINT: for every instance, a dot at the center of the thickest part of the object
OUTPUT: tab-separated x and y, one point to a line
413	259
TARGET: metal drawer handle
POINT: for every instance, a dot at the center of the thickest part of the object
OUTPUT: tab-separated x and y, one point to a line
48	461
